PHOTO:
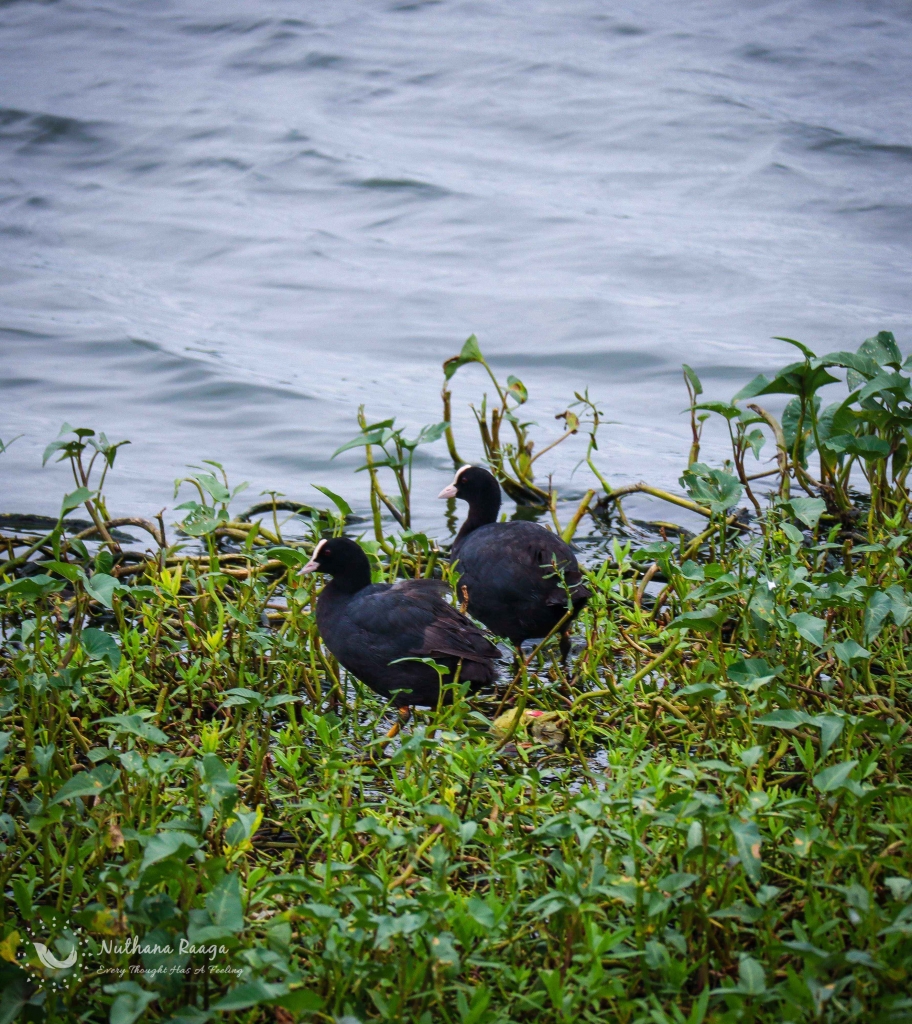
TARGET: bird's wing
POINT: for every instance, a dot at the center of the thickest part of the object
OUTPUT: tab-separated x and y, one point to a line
416	615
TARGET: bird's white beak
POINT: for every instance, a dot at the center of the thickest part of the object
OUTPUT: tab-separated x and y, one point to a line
310	567
448	492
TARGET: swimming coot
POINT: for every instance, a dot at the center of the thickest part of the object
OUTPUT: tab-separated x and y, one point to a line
369	626
512	572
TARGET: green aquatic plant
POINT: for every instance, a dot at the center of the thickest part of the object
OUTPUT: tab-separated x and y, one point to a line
200	802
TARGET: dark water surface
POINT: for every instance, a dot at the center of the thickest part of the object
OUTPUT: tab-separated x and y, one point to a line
224	225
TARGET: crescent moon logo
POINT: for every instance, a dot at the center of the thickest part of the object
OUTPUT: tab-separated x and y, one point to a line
49	960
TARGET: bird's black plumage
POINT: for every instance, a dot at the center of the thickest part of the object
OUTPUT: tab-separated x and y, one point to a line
370	626
521	579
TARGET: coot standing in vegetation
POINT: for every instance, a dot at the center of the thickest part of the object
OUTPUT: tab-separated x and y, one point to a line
370	626
520	578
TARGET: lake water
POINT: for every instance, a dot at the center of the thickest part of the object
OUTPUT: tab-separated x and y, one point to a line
225	225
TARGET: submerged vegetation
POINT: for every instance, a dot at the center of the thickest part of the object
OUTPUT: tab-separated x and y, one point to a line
203	818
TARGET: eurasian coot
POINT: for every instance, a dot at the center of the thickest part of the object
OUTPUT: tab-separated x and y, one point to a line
369	626
520	578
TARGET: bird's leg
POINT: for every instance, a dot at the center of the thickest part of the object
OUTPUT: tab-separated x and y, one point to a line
404	713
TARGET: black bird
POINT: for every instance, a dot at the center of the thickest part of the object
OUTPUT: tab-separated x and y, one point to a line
520	578
369	626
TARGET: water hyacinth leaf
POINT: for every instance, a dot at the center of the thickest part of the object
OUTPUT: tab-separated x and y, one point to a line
87	784
751	977
341	504
130	1003
74	500
703	620
808	510
831	727
866	446
66	569
747	841
389	925
428	435
692	571
899	604
693	379
224	903
805	351
102	588
849	651
290	557
240	696
835	777
517	390
784	719
135	725
726	409
715	488
202	519
189	1015
480	911
751	756
217	785
470	353
31	588
752	673
101	646
809	627
165	845
882	348
252	993
877	609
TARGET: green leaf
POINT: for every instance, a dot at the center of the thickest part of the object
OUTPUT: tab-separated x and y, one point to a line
74	500
66	569
341	504
224	903
165	845
376	436
808	510
755	387
87	784
693	378
809	627
470	353
102	587
848	651
253	993
31	588
517	389
134	725
713	487
100	646
865	446
752	673
751	977
202	519
726	409
704	620
805	351
882	348
428	435
830	728
747	841
290	557
784	719
831	779
877	609
131	1002
213	487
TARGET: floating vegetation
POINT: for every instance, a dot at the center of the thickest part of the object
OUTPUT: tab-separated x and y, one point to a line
704	816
